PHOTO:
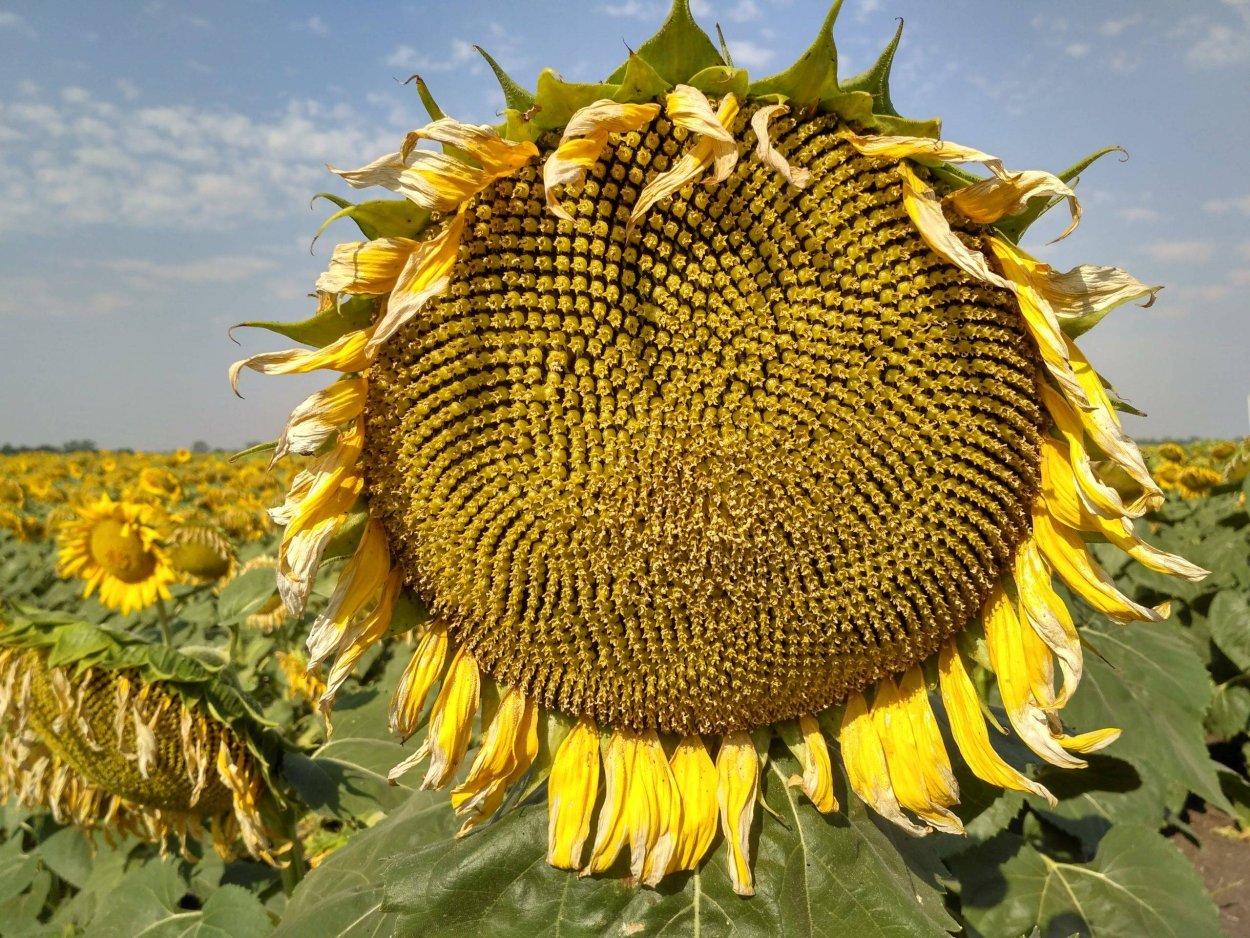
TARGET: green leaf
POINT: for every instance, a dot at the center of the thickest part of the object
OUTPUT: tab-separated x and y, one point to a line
68	854
679	50
1229	715
1137	884
814	77
149	903
324	327
1229	620
245	595
17	869
378	218
1155	688
814	875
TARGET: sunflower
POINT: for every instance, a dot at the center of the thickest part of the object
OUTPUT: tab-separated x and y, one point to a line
200	553
115	547
703	412
1197	481
115	735
159	482
1171	452
270	616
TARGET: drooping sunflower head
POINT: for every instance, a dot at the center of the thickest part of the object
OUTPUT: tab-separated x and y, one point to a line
697	411
116	548
200	553
1197	481
1171	452
114	735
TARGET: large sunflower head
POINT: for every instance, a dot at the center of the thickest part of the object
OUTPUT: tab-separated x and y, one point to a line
123	737
116	548
700	410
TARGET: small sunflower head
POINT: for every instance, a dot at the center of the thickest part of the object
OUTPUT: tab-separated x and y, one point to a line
200	552
116	548
701	411
1223	451
1172	452
122	737
159	482
1197	481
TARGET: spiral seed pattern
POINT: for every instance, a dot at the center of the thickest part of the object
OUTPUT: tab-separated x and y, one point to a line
717	473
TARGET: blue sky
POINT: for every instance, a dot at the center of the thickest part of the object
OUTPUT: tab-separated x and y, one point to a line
157	160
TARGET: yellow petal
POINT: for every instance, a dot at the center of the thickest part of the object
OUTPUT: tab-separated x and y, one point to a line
425	276
571	791
1043	610
714	146
505	751
765	152
451	721
417	680
1040	320
658	812
319	416
366	267
1121	534
358	638
924	207
1081	296
865	763
1103	427
989	200
813	753
346	353
923	149
963	711
439	182
583	141
695	776
613	826
1068	555
359	582
737	788
913	776
1096	496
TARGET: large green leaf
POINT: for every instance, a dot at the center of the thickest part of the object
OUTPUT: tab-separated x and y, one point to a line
1137	885
1152	685
1229	621
813	875
149	903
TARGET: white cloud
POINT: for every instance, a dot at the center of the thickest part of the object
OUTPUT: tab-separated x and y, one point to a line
87	160
745	11
410	60
749	55
1078	50
17	23
1113	28
1181	252
315	25
633	9
146	275
1222	43
1239	203
1140	213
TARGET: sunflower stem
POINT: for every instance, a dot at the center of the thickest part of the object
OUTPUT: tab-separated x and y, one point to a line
295	868
163	622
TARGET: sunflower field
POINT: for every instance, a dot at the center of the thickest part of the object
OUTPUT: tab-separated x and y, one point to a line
710	524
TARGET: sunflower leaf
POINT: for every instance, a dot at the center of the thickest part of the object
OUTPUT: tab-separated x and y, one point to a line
1229	620
1137	884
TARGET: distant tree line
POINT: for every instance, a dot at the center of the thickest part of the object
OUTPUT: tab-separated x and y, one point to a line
84	446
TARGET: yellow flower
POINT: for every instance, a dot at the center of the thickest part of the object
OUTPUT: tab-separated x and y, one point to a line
115	547
200	553
1171	452
1196	481
699	420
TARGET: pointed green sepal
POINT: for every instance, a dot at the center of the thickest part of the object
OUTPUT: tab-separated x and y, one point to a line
427	99
253	450
1014	228
720	80
906	127
378	218
876	80
814	76
514	95
680	49
640	82
323	328
855	106
519	126
558	100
